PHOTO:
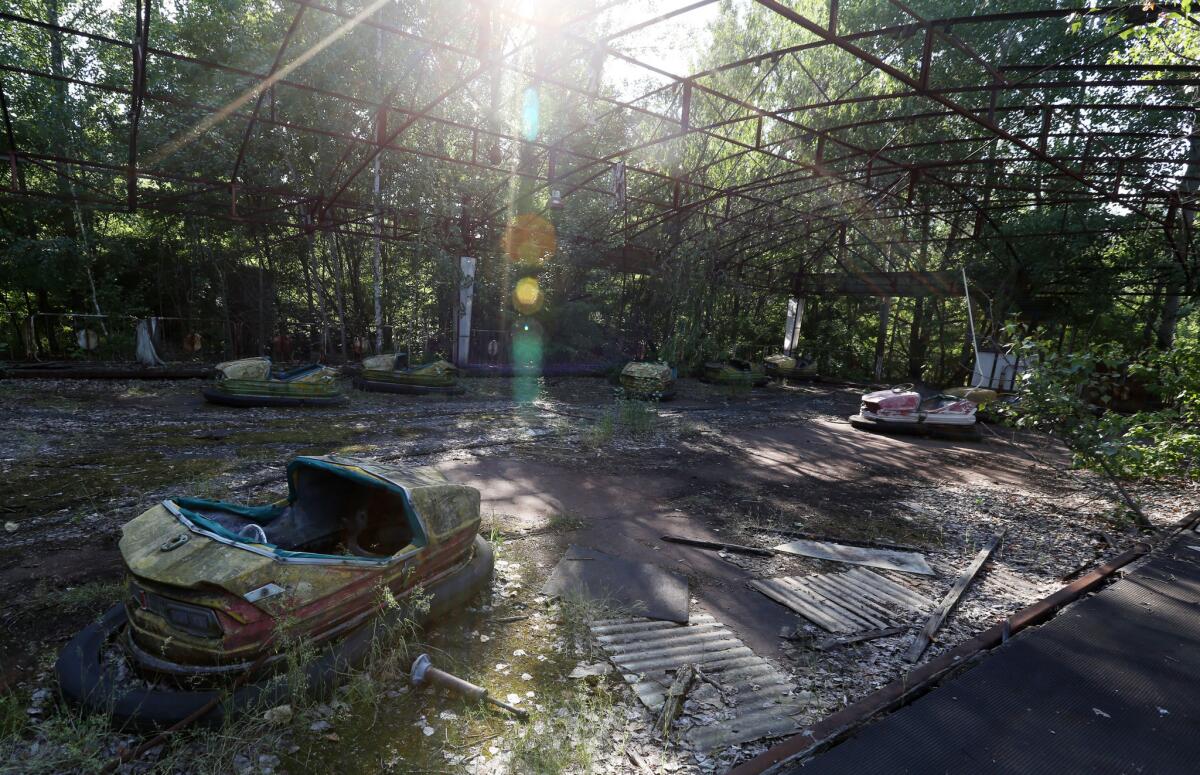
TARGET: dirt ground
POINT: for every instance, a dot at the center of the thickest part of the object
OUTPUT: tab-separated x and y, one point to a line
79	458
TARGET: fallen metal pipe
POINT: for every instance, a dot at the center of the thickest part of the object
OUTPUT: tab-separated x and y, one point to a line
719	546
423	672
837	726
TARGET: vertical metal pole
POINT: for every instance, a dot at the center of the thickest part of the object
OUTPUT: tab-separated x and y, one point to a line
141	37
377	255
971	320
926	59
18	179
885	318
685	110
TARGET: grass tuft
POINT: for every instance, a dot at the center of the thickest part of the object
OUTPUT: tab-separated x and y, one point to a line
567	737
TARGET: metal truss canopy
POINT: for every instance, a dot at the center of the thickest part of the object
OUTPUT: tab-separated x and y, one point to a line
976	139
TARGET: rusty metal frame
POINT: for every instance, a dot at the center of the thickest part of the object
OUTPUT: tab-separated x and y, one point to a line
810	177
141	42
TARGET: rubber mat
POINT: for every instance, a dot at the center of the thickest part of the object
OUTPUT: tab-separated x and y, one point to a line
635	588
1108	686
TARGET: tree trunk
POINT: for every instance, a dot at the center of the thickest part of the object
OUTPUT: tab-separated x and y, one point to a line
918	344
377	254
320	288
339	298
885	314
1180	238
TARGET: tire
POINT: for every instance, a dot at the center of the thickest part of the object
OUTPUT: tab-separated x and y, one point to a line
376	386
84	678
953	432
214	396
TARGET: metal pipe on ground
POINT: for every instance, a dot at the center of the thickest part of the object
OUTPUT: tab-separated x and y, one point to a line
424	672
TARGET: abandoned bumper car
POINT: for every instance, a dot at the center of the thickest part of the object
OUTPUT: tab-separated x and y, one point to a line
391	373
789	367
902	410
734	371
218	590
252	382
647	380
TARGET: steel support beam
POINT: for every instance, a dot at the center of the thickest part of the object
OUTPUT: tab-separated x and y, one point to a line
141	42
262	93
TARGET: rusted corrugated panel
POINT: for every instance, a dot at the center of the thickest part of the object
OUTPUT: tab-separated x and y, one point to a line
743	696
844	602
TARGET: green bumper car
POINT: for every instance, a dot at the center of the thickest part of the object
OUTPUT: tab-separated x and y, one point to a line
734	371
647	380
252	382
788	367
211	585
390	373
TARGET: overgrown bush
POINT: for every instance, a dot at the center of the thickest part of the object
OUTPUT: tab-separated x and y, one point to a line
1072	395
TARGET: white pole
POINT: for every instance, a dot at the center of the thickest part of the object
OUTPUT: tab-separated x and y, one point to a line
465	292
971	319
377	256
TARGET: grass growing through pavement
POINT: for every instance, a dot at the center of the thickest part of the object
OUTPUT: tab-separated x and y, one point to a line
96	595
629	417
565	522
567	737
12	716
65	738
68	740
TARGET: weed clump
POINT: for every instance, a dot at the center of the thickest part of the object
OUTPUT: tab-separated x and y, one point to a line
568	737
629	418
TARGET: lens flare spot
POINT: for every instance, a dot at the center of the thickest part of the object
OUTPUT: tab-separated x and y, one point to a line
527	296
530	114
527	354
530	239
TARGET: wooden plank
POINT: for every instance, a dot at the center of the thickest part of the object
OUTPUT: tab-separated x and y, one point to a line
785	597
890	559
673	700
889	588
952	597
828	644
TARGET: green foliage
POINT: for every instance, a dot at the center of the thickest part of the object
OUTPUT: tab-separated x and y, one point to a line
719	268
12	718
571	735
628	417
1073	395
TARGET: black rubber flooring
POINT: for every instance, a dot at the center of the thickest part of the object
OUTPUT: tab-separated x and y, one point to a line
1111	685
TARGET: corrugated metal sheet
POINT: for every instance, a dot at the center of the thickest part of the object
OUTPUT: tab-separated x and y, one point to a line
743	696
844	602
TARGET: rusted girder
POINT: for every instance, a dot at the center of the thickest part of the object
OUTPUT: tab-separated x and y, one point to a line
935	95
17	183
141	41
262	93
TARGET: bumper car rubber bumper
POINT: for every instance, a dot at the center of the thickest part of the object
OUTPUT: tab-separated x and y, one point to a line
87	678
215	396
407	388
944	431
